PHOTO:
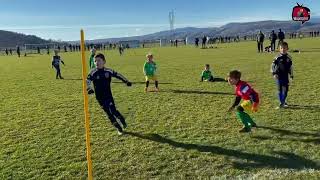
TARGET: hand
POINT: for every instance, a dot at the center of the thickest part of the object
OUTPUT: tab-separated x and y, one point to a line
275	76
129	84
254	107
90	91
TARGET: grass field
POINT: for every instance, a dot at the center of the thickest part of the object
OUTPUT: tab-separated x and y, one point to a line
182	132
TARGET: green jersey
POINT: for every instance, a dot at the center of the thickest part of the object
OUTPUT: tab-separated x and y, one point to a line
150	68
206	75
91	62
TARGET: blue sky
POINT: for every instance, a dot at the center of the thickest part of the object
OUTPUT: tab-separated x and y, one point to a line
62	19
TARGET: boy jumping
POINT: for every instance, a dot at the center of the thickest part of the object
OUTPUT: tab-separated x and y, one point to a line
250	100
149	70
56	59
101	78
206	74
281	69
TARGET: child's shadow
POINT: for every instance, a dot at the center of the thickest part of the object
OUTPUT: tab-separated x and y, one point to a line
247	160
304	107
295	136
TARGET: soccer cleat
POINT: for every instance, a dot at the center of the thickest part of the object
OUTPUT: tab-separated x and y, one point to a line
61	78
245	130
285	105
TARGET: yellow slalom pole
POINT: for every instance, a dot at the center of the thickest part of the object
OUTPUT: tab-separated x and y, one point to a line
86	108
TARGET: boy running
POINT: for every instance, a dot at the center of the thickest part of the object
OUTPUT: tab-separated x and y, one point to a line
101	78
56	59
281	69
206	74
250	100
150	69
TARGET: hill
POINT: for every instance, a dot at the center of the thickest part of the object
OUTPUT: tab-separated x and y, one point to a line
231	29
12	39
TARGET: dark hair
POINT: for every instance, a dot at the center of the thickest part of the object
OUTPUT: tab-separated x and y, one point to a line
207	65
235	74
100	55
284	44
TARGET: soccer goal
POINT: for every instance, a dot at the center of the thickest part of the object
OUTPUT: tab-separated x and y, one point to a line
40	48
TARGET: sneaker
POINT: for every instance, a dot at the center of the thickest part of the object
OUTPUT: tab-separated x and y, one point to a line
285	105
244	130
120	132
61	78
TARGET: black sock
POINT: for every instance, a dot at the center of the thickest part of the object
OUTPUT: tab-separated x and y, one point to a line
117	125
156	83
147	84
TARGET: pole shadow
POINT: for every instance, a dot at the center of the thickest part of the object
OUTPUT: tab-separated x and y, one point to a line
141	82
199	92
286	159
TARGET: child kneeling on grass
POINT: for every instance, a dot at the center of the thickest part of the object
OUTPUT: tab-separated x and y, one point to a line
101	78
206	74
250	100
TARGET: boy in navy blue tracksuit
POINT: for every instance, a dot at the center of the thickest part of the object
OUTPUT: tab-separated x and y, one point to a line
281	69
101	78
56	59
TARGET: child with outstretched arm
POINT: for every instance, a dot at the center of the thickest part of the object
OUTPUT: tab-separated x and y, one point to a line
56	60
101	78
249	104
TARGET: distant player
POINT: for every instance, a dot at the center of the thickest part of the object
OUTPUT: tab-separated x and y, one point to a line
48	50
273	39
91	60
101	78
281	69
150	69
206	74
10	51
260	40
6	51
250	100
56	60
281	37
18	51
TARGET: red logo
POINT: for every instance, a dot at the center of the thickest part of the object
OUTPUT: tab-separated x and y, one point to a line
300	13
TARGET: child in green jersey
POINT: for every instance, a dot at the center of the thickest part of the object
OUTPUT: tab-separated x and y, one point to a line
149	70
206	74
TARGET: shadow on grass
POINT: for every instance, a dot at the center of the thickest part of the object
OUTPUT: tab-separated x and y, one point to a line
142	82
304	107
289	132
198	92
73	79
286	160
298	135
315	141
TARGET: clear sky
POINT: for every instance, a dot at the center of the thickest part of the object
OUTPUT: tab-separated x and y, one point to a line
62	19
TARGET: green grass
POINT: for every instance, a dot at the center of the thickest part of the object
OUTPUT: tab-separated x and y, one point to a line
181	132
